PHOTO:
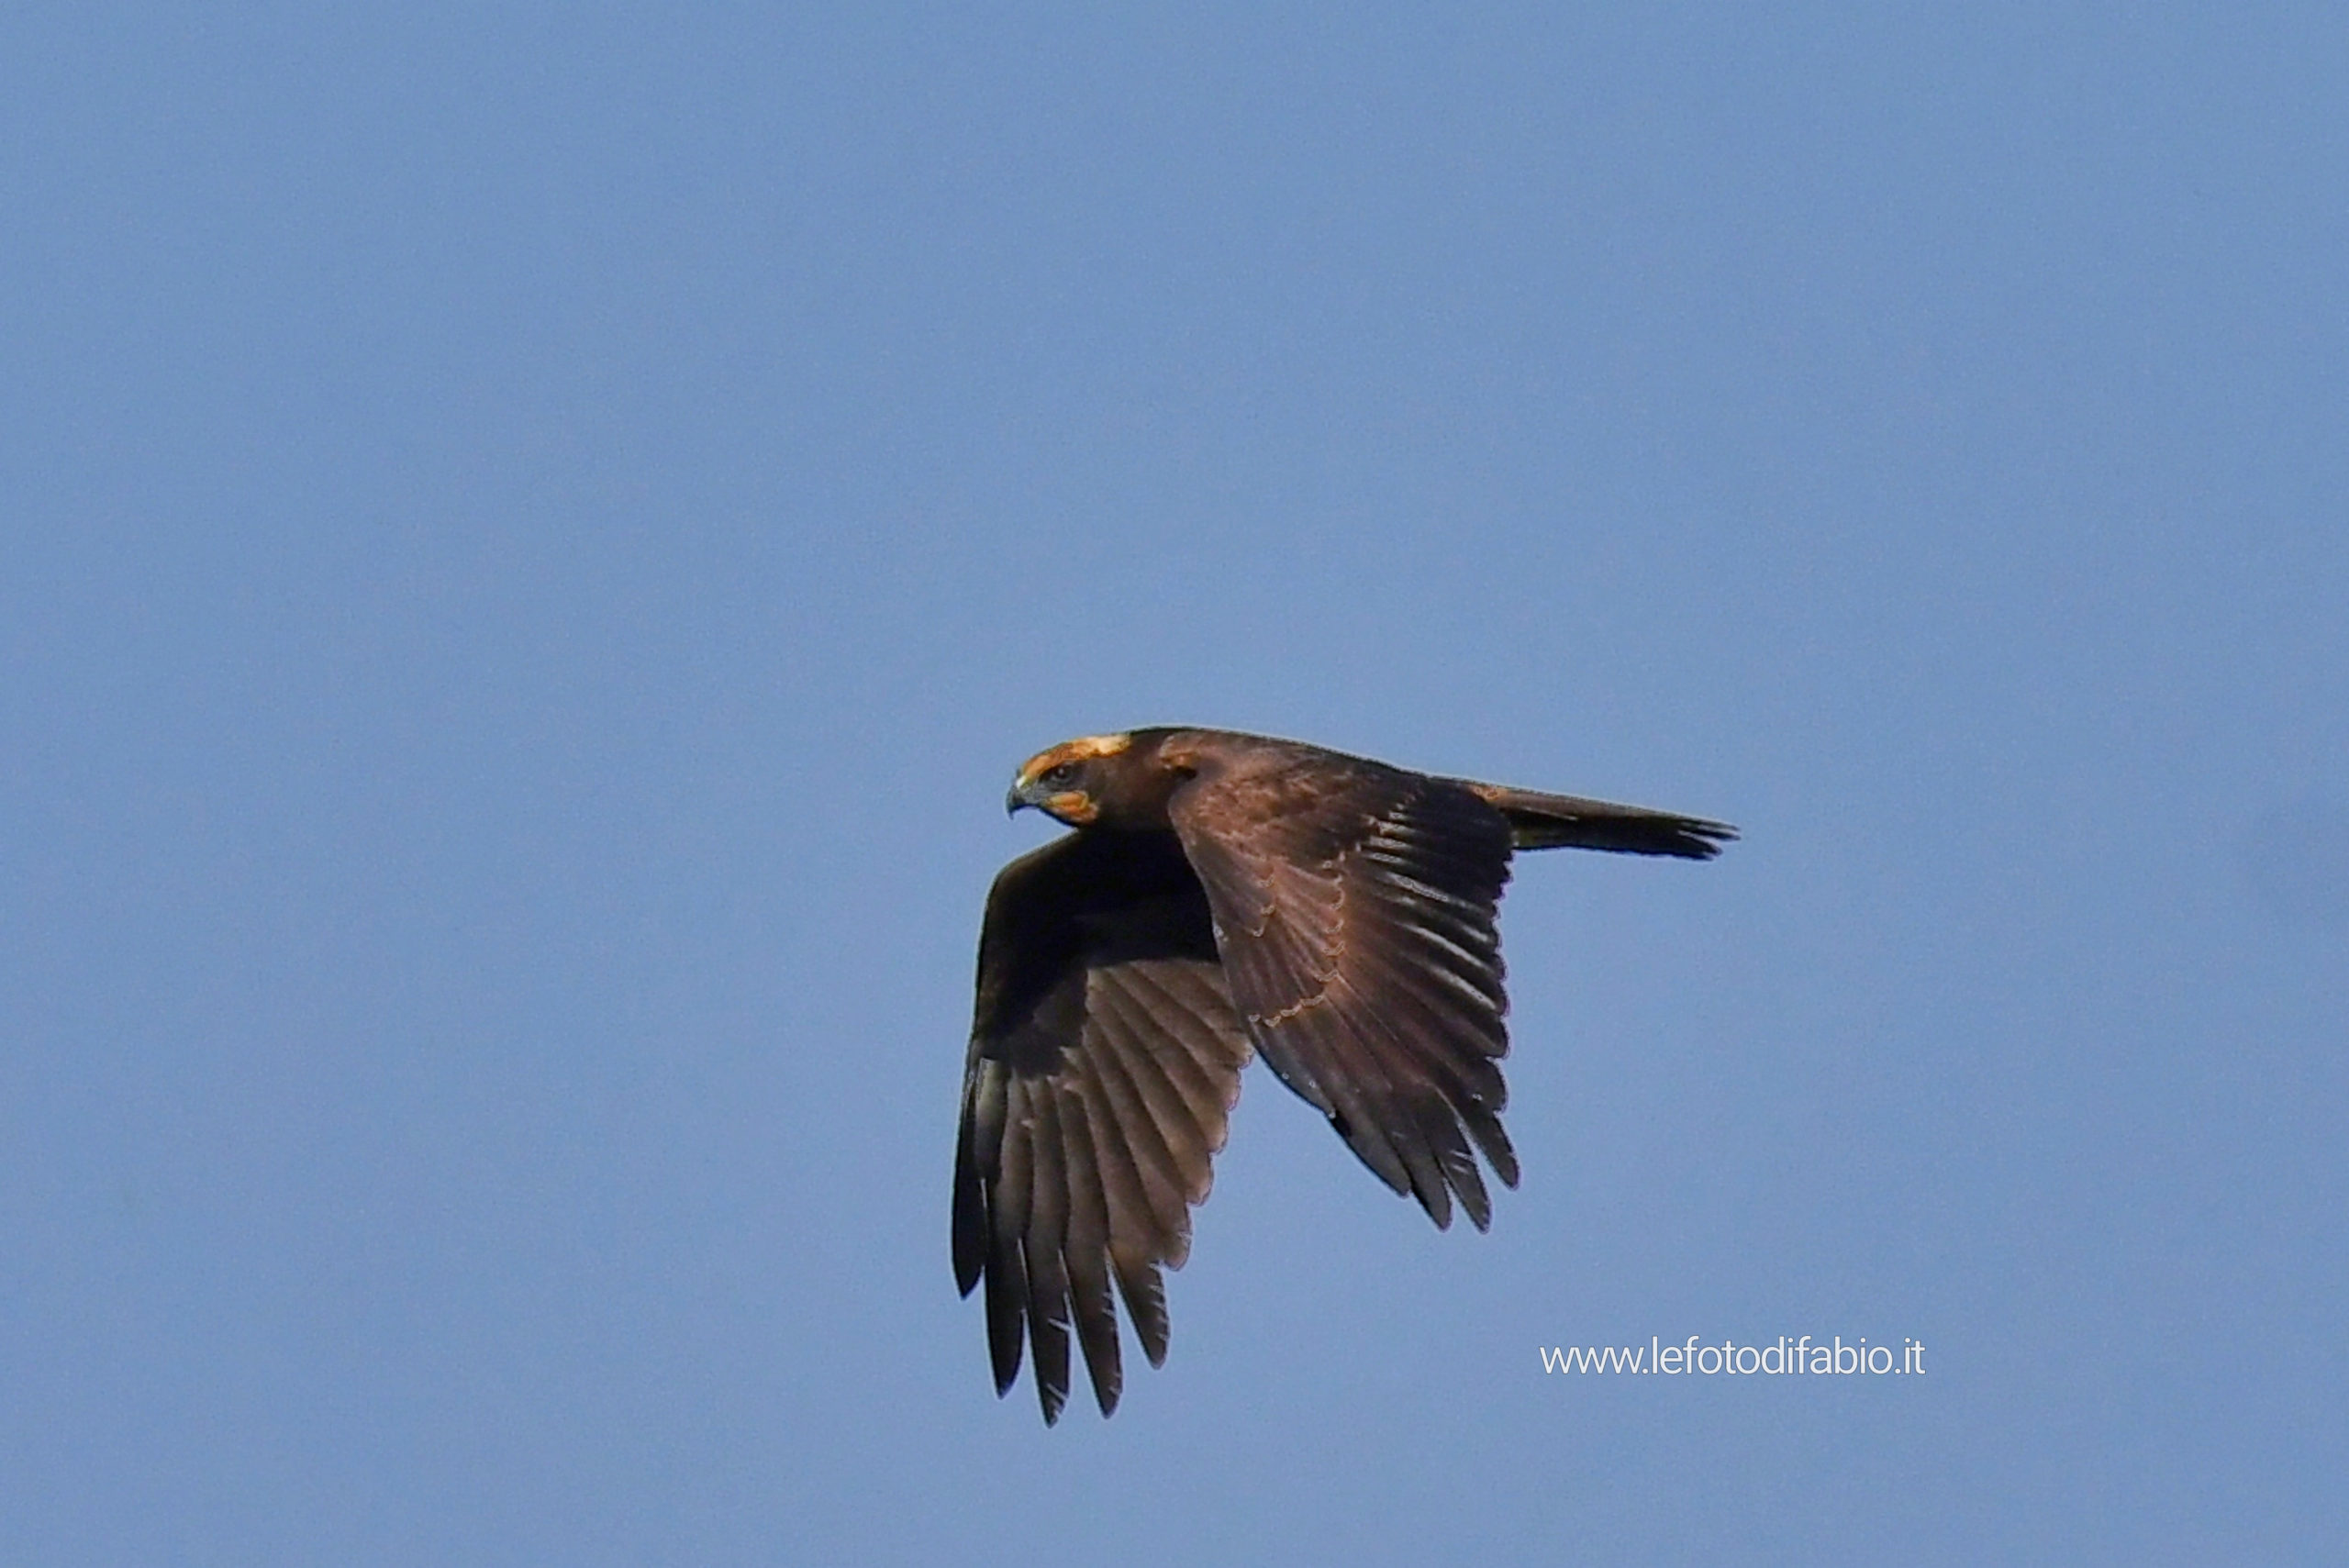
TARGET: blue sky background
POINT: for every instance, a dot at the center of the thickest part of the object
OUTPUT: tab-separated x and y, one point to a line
534	536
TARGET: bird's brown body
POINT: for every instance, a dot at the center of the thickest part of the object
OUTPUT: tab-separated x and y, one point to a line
1226	894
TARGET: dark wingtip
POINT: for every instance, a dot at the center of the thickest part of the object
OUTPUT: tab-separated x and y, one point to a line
969	1250
1701	841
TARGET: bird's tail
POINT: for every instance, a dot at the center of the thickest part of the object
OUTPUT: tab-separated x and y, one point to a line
1539	821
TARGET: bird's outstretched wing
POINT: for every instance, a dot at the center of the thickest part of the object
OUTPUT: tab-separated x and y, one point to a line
1354	907
1105	1061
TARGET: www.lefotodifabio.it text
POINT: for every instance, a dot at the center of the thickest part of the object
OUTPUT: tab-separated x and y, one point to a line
1803	1356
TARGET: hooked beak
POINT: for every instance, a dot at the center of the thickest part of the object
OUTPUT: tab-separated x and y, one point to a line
1069	807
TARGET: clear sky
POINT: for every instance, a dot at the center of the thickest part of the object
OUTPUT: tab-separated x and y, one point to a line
533	536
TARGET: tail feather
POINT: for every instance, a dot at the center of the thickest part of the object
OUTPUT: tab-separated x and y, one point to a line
1539	821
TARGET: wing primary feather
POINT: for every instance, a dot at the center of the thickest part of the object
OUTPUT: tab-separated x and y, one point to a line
1007	1298
1146	1216
1144	1291
1048	1306
977	1163
1086	1252
1014	1169
970	1218
1458	1162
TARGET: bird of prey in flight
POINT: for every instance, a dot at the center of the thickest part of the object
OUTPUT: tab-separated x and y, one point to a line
1224	894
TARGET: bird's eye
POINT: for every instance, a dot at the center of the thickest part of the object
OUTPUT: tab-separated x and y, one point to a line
1061	774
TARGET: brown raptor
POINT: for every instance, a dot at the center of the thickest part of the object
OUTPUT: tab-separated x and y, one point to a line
1224	893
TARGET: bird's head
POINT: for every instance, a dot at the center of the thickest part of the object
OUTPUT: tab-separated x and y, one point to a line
1066	782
